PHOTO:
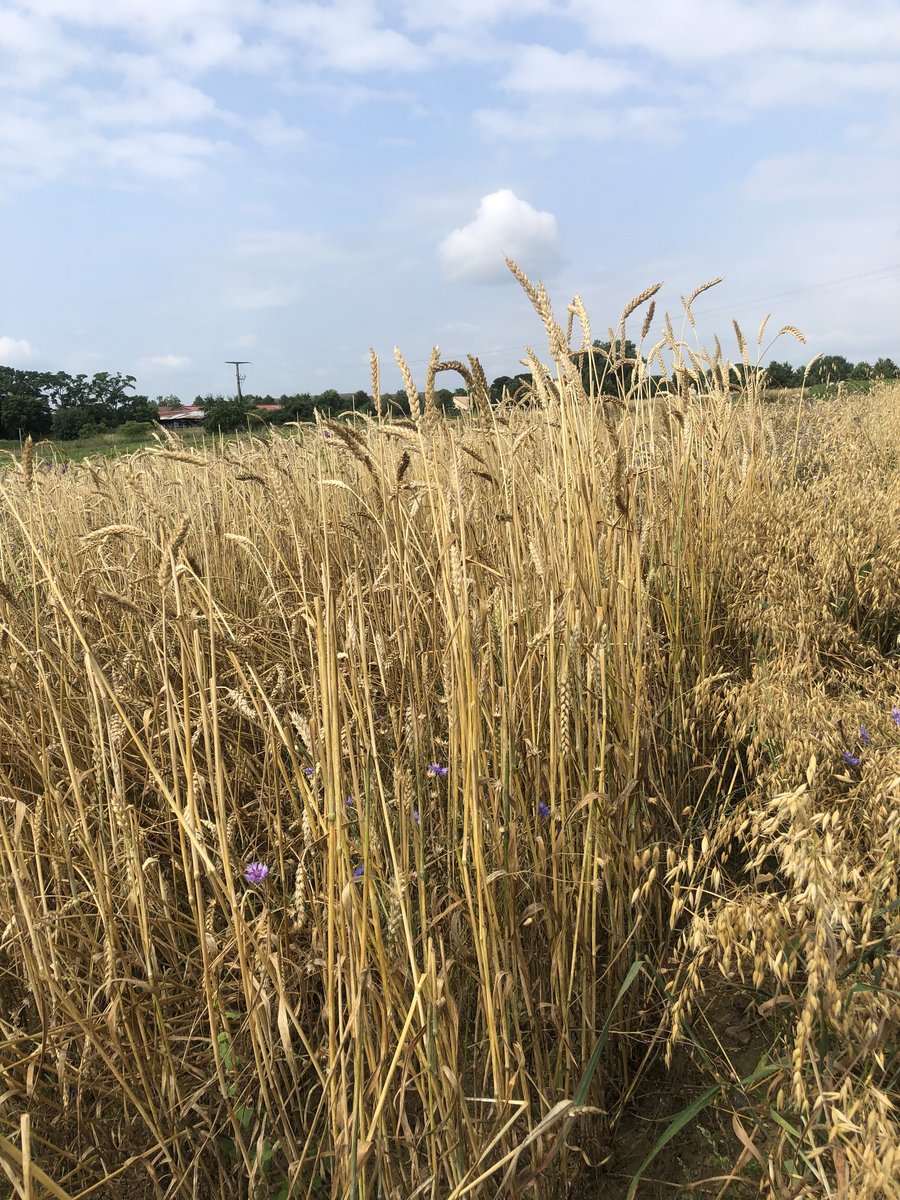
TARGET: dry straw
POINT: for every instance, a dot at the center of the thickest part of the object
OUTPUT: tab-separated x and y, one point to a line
387	844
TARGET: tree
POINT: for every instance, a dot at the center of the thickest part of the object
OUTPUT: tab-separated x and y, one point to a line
862	370
329	401
138	408
224	416
609	369
297	408
830	368
23	414
68	422
783	375
885	368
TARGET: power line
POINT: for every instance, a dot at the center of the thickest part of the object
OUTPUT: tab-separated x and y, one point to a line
816	289
882	274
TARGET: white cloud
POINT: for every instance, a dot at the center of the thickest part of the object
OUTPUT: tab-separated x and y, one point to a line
164	362
348	35
542	70
148	96
14	351
246	341
706	30
503	225
466	15
784	80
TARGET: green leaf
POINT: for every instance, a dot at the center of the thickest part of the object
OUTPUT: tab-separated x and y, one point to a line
594	1061
677	1123
225	1054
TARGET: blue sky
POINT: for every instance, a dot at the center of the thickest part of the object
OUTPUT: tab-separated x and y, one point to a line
188	181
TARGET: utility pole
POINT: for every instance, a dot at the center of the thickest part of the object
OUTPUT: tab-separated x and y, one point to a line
237	363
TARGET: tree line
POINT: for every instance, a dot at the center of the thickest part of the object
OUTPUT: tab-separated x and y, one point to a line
64	407
55	404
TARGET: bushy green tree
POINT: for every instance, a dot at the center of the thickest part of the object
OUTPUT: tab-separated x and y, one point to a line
783	375
830	368
297	408
68	422
221	415
607	368
23	414
885	368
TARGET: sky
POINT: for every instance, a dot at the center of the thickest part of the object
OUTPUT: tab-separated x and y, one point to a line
184	182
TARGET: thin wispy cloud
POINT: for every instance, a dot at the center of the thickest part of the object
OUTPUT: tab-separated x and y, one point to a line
164	362
542	71
272	269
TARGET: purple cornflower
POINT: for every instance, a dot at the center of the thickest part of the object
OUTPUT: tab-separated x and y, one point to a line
895	715
350	801
436	770
358	871
543	809
309	772
256	872
852	760
416	815
864	737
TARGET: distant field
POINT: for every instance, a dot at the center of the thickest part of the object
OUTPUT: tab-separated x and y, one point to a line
110	444
498	806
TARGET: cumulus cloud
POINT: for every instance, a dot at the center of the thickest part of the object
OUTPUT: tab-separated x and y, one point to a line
503	225
14	350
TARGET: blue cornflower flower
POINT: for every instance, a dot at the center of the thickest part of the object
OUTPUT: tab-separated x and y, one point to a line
543	809
864	737
436	770
852	760
309	772
416	815
256	872
895	715
358	871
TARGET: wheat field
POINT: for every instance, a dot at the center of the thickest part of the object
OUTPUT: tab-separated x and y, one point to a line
384	803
